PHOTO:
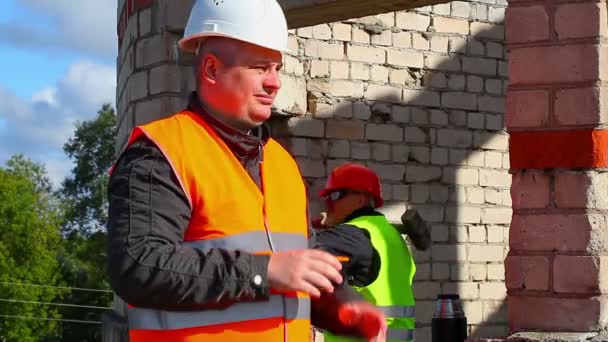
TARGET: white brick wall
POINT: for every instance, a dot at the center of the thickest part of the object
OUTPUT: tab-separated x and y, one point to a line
426	114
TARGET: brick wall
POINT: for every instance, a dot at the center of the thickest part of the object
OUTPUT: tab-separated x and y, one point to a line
416	95
556	274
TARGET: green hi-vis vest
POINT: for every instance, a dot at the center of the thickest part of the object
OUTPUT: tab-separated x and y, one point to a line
392	290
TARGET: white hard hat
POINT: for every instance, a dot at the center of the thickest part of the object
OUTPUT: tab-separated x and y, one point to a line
259	22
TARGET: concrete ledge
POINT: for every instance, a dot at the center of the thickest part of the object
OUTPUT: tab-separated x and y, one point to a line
301	13
553	337
547	337
603	337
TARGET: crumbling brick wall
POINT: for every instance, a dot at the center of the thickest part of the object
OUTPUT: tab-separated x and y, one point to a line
419	97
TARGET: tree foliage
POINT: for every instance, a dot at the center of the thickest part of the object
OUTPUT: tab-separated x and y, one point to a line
29	240
82	261
36	173
84	192
84	197
57	240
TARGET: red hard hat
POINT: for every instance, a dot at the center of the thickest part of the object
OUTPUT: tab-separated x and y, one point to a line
354	177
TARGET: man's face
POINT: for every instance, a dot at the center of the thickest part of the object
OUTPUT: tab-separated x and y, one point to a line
341	203
245	87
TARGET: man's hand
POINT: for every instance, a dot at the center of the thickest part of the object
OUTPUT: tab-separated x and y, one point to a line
319	222
365	318
307	270
324	221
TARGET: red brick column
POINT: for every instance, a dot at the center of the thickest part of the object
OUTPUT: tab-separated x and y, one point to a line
556	115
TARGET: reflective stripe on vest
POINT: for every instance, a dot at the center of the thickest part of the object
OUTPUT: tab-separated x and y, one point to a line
393	334
398	311
148	319
255	241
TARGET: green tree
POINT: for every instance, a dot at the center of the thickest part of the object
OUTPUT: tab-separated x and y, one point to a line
33	251
84	198
83	265
29	240
84	192
20	165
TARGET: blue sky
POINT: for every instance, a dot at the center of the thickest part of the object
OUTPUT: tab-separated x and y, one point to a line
57	66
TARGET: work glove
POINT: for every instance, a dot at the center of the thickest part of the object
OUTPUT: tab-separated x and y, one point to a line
365	319
345	312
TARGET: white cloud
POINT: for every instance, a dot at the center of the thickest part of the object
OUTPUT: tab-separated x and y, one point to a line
87	26
48	95
39	127
87	85
57	168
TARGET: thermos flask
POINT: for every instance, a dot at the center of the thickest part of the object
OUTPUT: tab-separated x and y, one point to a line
449	322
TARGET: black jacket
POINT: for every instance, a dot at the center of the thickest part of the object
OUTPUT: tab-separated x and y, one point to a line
353	242
148	217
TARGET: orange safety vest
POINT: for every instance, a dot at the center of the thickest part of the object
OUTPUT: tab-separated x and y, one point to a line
229	211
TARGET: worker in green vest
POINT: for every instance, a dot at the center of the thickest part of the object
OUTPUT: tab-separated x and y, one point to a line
352	194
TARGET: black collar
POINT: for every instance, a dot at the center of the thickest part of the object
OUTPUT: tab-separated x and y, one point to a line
241	144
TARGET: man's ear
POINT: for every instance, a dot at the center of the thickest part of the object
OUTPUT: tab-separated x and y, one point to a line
363	200
209	67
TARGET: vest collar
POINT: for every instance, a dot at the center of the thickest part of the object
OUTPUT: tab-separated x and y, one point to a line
364	211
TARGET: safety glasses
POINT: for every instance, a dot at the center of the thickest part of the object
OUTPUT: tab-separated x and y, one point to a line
336	195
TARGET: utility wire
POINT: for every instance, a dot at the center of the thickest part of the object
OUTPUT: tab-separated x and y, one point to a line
56	304
57	287
51	319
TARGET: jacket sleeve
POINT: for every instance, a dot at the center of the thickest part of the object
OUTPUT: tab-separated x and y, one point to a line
355	243
148	265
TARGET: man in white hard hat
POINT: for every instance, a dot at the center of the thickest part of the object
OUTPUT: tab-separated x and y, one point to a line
208	216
